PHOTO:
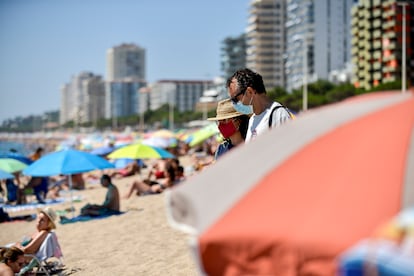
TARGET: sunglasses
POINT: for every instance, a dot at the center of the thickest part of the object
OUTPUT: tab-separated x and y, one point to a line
234	98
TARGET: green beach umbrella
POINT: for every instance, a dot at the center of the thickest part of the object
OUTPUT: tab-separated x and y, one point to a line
11	165
202	134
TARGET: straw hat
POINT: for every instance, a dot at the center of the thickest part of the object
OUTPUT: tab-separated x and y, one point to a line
51	215
225	110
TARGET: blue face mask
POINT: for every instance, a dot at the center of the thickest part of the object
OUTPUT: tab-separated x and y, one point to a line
242	108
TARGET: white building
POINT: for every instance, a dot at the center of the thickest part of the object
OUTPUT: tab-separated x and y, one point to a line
125	61
82	99
318	39
266	40
183	94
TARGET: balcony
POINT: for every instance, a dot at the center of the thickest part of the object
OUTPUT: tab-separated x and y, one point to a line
389	69
354	30
388	24
376	23
388	58
376	13
377	66
377	34
377	76
389	79
376	54
377	44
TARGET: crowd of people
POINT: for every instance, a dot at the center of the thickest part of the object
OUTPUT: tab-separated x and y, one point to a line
247	113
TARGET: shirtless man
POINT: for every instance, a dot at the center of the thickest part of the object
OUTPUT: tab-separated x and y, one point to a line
111	203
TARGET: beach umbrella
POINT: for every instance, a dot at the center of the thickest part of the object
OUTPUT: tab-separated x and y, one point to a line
163	133
202	134
140	151
290	201
161	142
102	151
19	157
121	163
11	165
67	162
5	175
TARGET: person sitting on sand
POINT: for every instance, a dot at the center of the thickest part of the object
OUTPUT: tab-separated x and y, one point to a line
11	260
157	170
60	183
111	204
153	187
40	186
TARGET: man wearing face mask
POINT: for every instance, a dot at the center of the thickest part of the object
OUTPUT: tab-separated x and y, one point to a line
248	95
232	126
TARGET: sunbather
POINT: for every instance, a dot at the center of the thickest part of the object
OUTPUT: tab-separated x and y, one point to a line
130	169
44	225
153	187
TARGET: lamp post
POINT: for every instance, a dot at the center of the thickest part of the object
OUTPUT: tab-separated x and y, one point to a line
171	113
404	48
305	74
304	69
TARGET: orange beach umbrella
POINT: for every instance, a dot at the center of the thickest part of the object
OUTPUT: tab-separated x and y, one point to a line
289	202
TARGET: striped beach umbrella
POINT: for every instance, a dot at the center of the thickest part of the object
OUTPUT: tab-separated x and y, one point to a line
289	202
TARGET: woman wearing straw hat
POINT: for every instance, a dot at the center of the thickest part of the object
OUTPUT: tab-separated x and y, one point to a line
232	125
45	224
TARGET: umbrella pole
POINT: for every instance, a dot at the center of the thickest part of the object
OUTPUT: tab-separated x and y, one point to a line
71	196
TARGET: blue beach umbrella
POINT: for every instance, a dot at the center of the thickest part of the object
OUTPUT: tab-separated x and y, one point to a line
103	150
19	157
5	175
66	162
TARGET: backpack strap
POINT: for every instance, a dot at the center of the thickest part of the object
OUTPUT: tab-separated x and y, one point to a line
273	110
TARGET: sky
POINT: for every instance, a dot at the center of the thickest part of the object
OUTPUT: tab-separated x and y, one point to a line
44	43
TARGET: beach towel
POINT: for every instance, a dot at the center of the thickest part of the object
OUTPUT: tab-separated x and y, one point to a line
65	220
49	248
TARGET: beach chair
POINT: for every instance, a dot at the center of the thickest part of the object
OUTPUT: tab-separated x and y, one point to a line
48	260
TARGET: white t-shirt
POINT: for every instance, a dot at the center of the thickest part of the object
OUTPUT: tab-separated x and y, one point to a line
259	124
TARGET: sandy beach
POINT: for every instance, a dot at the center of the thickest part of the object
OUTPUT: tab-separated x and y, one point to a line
138	242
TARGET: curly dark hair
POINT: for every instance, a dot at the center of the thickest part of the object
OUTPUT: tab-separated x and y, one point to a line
10	254
247	78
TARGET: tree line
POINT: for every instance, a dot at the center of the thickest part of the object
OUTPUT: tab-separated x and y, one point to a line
320	93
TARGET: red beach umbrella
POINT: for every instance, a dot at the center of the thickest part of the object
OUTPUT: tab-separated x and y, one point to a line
289	202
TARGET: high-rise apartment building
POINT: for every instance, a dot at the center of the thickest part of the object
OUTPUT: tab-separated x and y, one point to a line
233	54
182	94
94	99
82	99
318	39
122	97
125	77
377	43
125	61
266	40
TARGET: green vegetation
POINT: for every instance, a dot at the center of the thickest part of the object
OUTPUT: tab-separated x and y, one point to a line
319	93
323	92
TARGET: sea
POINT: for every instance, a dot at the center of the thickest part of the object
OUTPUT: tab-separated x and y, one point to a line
7	147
